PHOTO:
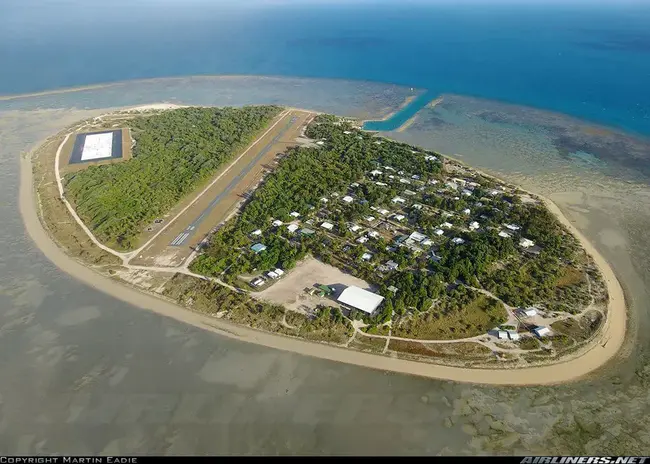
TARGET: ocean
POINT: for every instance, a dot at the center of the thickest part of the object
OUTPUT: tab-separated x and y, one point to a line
589	59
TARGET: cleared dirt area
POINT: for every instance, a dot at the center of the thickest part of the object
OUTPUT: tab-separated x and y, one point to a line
290	290
216	204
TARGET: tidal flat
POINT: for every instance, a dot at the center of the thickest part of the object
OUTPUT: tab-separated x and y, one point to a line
85	373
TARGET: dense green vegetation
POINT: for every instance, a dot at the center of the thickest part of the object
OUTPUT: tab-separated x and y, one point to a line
433	292
175	152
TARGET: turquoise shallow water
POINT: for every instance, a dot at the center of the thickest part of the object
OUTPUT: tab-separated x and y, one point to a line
590	60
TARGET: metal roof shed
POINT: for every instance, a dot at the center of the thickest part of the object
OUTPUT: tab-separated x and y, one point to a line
360	299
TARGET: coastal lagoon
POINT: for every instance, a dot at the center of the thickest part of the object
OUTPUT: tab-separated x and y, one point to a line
85	373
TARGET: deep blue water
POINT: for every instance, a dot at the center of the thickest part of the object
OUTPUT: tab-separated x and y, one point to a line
590	60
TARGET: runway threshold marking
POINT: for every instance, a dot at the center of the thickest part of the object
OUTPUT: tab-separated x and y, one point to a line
190	229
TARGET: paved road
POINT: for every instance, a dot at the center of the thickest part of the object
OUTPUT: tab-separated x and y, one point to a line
189	230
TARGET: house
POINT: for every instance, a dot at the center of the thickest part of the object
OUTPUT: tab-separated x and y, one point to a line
392	289
334	195
415	177
473	225
512	226
360	299
435	257
376	172
347	132
401	173
327	225
426	242
257	282
513	335
257	232
525	243
430	158
391	265
354	228
467	211
417	206
446	225
457	241
362	239
383	212
452	185
292	228
466	192
417	237
528	312
409	192
433	181
277	223
399	200
504	234
366	256
348	199
388	168
381	184
541	331
306	231
459	181
439	232
404	181
272	275
391	177
399	217
320	142
502	335
258	247
494	192
279	272
370	218
373	234
295	214
324	200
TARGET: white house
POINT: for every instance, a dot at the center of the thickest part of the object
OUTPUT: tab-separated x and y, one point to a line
467	193
466	211
292	227
446	225
362	239
348	199
541	331
473	225
458	240
257	232
439	232
528	312
392	265
383	212
355	228
513	335
272	275
417	236
504	234
427	242
409	192
417	206
388	168
279	272
324	200
430	158
381	184
376	172
494	192
399	217
327	225
295	214
277	223
404	181
399	200
525	243
415	177
366	256
370	218
373	234
512	226
502	334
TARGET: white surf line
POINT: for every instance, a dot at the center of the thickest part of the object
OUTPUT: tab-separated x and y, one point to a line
134	253
59	183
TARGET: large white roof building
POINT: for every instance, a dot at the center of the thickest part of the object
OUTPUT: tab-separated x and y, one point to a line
360	299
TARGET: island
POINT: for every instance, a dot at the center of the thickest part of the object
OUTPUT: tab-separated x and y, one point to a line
306	226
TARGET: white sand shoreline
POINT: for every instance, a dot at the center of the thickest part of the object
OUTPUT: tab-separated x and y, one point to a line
572	368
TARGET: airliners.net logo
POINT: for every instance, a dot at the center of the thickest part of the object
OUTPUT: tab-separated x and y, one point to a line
584	460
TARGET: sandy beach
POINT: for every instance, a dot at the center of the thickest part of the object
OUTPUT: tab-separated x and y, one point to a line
605	346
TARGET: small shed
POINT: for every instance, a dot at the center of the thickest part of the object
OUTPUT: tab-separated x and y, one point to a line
258	247
292	227
541	331
327	225
513	335
502	335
